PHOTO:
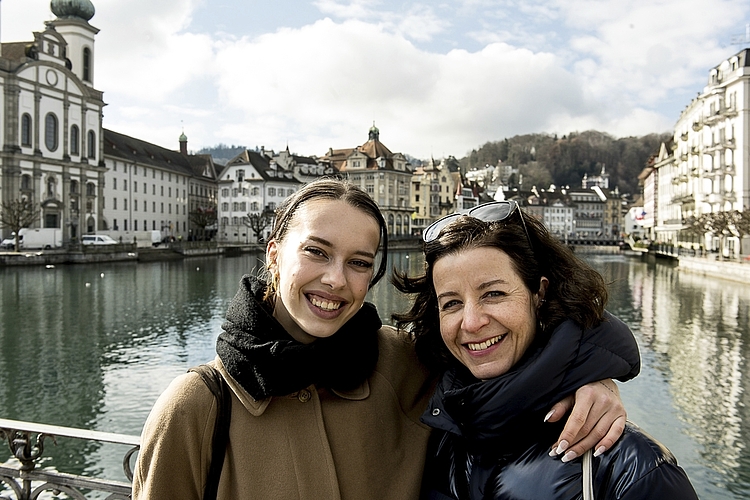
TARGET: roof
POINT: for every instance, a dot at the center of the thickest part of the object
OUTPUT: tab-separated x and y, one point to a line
262	165
135	150
373	149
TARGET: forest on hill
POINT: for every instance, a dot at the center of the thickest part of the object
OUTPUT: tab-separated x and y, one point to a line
545	159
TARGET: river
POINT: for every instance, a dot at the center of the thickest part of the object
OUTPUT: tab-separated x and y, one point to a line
92	346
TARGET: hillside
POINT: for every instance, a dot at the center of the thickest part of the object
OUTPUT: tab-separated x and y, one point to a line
543	158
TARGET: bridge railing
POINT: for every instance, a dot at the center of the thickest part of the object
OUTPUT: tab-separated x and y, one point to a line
27	482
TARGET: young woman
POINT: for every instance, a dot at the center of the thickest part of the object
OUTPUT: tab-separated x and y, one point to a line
516	321
325	401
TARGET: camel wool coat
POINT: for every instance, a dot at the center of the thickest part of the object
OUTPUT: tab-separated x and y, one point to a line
367	443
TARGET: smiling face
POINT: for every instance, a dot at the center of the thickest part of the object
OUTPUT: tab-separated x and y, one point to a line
324	265
487	314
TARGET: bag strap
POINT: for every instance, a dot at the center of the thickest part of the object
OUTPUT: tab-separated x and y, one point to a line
588	480
218	387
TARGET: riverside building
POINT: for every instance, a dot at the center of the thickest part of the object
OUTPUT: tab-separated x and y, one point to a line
706	167
51	123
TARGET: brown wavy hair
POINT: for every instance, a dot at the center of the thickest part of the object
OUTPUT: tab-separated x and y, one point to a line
575	291
327	188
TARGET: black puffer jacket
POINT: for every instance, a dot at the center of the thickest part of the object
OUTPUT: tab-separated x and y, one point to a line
495	445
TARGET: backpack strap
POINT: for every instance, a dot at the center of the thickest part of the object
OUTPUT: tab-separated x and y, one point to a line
218	387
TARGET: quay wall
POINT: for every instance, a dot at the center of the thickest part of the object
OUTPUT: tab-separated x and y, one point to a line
733	271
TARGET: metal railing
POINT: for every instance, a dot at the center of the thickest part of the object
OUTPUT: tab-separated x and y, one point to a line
27	482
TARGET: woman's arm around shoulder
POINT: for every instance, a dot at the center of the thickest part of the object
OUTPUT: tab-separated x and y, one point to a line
176	442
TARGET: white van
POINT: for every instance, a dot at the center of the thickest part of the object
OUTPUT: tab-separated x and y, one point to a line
97	239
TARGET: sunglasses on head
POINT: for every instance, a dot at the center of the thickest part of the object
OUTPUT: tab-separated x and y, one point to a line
495	211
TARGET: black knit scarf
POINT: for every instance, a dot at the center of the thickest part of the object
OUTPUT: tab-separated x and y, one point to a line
257	351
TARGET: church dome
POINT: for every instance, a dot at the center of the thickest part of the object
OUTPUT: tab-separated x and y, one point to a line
68	9
183	137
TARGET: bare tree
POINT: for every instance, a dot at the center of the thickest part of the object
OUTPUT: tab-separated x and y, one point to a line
258	223
203	217
741	223
720	224
17	214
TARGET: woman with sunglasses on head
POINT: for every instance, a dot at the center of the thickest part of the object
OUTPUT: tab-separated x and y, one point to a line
325	402
516	322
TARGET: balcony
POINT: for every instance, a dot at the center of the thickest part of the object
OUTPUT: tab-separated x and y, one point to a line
28	481
697	125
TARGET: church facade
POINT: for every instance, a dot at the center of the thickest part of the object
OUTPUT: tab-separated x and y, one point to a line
51	123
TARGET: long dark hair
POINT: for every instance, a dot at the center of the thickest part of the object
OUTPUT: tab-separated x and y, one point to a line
575	290
329	188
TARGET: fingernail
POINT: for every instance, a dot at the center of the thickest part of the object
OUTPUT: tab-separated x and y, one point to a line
569	456
553	452
561	447
599	451
549	415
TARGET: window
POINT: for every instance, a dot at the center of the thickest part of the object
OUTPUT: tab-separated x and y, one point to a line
86	64
114	183
135	205
26	182
50	131
240	175
125	204
90	189
91	143
254	206
26	130
74	140
271	191
162	208
135	187
124	185
225	207
154	206
135	225
114	204
153	187
225	192
170	192
162	190
145	209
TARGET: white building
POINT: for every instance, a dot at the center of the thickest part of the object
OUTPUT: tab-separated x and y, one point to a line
251	184
707	167
51	121
151	188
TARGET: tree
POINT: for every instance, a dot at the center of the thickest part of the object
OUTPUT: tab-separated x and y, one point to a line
17	214
741	223
258	223
720	224
202	217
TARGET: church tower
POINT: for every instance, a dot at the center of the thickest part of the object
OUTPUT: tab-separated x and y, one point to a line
72	23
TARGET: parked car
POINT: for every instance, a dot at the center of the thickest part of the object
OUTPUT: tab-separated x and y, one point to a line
8	244
97	239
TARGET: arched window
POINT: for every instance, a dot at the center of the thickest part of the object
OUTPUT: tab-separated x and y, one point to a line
50	131
86	64
75	140
91	143
26	182
26	130
90	189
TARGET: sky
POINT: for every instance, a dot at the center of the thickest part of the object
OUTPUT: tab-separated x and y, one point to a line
437	78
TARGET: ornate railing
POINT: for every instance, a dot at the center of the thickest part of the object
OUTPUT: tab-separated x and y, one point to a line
27	482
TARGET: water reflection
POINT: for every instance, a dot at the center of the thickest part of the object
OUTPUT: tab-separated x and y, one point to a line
694	335
85	350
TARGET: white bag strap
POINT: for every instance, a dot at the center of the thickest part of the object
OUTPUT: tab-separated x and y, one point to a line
588	480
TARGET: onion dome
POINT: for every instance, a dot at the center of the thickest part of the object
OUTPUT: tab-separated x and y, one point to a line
72	9
183	137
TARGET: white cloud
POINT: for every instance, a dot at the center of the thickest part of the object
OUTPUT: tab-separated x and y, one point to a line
582	64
